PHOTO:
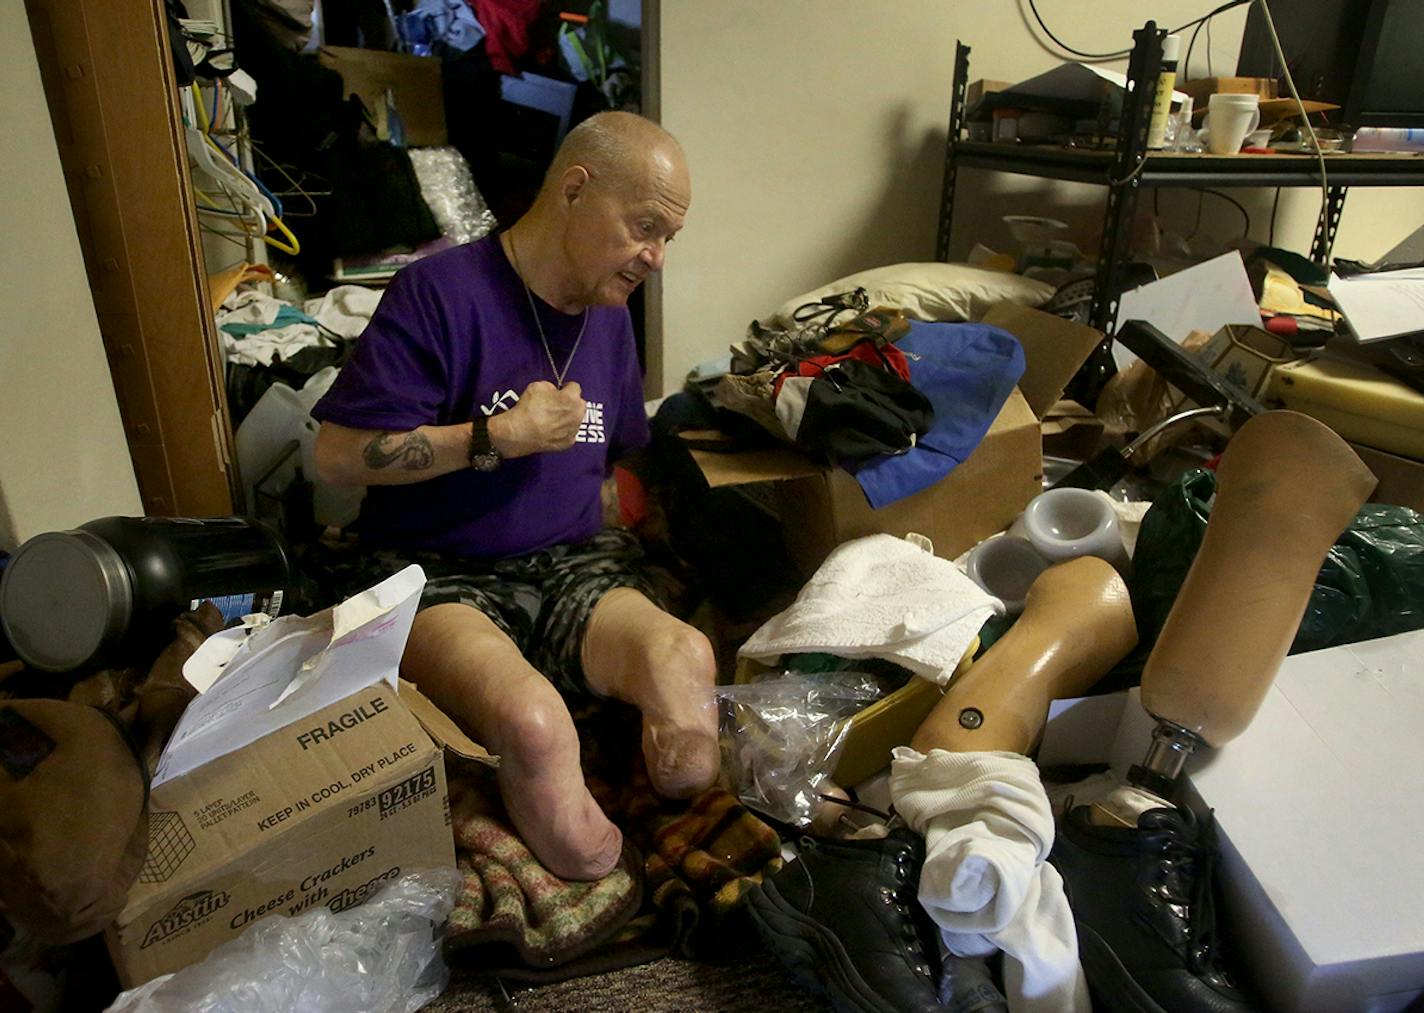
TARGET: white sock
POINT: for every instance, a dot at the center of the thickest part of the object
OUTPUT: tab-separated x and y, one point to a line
986	880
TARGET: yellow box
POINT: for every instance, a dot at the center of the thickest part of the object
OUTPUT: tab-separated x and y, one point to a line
1359	401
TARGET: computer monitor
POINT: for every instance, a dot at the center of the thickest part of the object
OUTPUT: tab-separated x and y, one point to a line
1359	54
1388	88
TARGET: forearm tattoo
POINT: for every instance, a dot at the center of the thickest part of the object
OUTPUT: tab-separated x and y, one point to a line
410	451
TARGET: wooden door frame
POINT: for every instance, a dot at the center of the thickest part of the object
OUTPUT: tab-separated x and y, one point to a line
112	91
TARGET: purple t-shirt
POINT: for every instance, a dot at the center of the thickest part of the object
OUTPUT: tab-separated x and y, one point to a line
452	337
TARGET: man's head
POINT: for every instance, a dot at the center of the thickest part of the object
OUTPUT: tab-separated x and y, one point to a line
615	196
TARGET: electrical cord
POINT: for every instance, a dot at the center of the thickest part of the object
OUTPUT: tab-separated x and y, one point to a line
1230	200
1186	62
1275	204
1137	171
1323	222
1084	57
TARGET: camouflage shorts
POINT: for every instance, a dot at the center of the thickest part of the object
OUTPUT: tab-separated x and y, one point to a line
542	600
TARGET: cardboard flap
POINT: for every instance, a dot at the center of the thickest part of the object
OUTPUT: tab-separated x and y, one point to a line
744	466
441	728
1054	349
413	82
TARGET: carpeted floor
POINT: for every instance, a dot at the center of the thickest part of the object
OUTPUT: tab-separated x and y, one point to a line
665	986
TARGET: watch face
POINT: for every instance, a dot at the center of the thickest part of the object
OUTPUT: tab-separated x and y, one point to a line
485	462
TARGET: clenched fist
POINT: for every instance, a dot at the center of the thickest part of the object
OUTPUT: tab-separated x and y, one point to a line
546	420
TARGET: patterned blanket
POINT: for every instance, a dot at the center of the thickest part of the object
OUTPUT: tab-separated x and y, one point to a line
685	867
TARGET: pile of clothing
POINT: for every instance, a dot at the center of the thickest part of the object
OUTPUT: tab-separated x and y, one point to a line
896	402
835	385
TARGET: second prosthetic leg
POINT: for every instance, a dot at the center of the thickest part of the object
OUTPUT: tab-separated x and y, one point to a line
1136	867
1287	486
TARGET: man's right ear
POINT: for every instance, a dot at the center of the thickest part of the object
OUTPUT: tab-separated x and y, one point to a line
574	182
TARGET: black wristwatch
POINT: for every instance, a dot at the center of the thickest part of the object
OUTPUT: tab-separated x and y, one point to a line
484	455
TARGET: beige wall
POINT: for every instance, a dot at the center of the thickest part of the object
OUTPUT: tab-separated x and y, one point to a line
63	458
815	130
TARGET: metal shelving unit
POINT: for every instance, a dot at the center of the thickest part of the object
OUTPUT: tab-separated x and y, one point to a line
1130	167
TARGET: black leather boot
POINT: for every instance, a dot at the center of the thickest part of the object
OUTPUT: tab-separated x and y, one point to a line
843	920
1142	900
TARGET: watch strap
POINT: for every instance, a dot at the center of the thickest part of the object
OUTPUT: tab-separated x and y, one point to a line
484	455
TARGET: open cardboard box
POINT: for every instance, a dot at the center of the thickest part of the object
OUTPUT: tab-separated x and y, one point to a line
1319	810
1401	479
822	507
381	79
302	779
280	827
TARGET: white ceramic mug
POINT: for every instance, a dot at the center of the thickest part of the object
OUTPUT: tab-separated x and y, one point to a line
1229	118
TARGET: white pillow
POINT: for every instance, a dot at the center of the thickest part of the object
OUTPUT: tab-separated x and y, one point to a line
932	292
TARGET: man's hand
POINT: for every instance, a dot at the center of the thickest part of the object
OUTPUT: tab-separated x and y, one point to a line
546	420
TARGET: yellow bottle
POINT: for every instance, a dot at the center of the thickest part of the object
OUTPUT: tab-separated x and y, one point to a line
1166	81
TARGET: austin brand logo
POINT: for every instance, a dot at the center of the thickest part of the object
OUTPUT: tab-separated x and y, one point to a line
188	913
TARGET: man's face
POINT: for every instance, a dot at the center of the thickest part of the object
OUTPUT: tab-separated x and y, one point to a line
618	236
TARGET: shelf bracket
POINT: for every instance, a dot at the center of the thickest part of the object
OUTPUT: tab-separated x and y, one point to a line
956	124
1327	225
1123	182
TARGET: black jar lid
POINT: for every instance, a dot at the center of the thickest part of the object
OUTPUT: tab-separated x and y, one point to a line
64	599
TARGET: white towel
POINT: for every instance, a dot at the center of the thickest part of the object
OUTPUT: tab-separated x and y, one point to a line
881	597
986	880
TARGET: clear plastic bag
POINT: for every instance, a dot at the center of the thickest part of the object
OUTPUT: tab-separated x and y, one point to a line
781	737
380	957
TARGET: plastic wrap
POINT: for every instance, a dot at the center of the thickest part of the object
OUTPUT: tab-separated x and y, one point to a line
1371	583
781	737
450	192
382	956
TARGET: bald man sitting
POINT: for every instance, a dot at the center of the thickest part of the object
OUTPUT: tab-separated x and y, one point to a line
484	406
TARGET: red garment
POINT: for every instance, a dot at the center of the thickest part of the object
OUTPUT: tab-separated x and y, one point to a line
888	357
506	24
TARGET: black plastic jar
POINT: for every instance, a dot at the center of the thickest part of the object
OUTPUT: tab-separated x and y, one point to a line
106	593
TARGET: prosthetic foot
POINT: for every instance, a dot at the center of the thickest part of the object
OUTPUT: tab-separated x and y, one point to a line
1136	868
1076	624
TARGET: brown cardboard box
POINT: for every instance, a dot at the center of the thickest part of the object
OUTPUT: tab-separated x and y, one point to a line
822	507
414	83
322	811
979	90
1401	479
1201	88
1071	431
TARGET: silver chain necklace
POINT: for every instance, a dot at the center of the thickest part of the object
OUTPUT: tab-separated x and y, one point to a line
534	312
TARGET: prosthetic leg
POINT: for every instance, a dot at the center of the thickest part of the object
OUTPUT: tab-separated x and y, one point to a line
1076	624
1137	868
846	910
1286	487
967	787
